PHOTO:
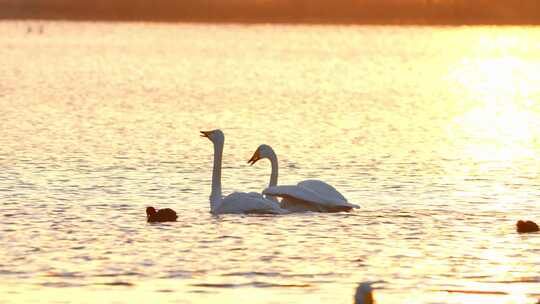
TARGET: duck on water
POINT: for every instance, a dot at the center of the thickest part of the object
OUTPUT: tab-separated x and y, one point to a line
162	215
526	226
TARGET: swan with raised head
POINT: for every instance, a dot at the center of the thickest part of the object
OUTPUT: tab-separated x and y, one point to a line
308	195
236	202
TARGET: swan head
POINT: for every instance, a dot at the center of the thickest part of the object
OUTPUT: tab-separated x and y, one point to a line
364	294
215	136
263	151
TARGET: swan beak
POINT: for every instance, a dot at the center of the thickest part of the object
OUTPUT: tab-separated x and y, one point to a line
205	134
254	158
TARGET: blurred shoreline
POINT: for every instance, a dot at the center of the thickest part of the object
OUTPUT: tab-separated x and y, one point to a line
284	21
391	12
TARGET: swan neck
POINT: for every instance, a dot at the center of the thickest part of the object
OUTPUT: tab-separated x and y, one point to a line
215	195
274	174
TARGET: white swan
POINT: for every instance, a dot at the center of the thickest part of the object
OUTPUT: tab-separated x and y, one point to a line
308	195
237	202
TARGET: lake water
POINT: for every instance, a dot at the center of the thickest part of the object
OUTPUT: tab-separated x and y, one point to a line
434	131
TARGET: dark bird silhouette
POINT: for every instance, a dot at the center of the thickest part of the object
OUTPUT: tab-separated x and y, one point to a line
526	226
162	215
364	294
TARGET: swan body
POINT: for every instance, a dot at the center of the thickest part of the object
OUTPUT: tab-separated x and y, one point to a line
236	202
314	195
308	195
241	202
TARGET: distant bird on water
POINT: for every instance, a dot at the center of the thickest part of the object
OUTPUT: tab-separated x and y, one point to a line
364	294
526	226
162	215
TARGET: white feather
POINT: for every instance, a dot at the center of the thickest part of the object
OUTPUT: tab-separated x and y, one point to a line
237	202
308	195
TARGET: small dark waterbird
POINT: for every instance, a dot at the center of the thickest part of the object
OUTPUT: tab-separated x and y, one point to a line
364	294
526	226
162	215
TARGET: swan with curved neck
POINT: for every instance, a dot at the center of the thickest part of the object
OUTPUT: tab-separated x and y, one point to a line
308	195
236	202
265	151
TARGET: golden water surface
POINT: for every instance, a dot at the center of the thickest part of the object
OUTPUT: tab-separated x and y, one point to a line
434	131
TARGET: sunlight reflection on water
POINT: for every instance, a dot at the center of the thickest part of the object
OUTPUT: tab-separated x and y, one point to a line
433	131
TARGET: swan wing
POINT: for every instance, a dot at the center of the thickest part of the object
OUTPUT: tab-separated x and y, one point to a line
299	193
322	189
255	194
241	202
327	191
320	198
